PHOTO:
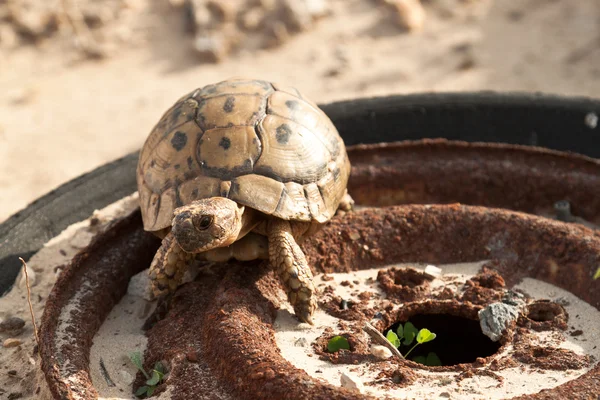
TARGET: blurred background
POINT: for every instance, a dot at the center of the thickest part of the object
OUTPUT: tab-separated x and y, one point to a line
82	82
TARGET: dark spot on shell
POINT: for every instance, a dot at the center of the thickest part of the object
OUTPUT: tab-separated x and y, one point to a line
283	134
248	163
152	163
179	140
229	125
176	166
225	143
190	162
293	105
195	193
229	104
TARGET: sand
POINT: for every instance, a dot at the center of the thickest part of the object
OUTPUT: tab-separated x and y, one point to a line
60	118
516	381
44	268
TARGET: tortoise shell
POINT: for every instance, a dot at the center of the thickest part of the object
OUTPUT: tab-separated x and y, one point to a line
258	143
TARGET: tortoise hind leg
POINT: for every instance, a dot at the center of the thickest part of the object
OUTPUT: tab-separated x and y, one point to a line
168	266
346	204
290	263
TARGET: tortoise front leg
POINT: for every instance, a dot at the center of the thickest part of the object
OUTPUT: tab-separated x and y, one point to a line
290	263
168	266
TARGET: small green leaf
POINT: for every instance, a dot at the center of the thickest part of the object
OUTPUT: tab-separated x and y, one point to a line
141	391
410	332
420	360
400	331
597	274
425	335
336	343
392	338
433	360
155	378
151	390
160	367
136	359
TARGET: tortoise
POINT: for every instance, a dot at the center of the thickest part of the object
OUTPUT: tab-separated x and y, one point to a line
242	169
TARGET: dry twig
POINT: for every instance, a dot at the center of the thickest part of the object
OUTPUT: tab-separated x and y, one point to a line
379	338
37	339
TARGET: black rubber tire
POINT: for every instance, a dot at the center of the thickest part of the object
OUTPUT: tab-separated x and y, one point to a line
530	119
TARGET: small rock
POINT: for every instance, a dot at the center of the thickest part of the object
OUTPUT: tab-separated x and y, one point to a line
12	342
354	236
433	271
211	48
15	396
410	14
380	351
297	15
252	19
494	318
350	381
591	120
11	325
126	377
302	342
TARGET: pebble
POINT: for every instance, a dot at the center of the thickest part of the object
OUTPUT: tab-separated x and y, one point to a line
12	342
433	271
410	14
12	325
380	351
126	377
302	342
352	382
494	318
591	120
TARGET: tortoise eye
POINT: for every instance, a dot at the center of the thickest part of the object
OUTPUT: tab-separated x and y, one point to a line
203	222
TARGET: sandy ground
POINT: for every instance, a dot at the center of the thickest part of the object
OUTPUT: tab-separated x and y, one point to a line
61	115
19	365
515	381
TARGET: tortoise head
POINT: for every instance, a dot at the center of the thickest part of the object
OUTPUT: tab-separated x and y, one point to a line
207	224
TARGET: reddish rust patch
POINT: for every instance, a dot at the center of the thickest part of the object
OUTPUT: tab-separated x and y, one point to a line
404	284
544	315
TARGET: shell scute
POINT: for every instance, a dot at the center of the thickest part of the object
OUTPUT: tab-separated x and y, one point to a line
289	152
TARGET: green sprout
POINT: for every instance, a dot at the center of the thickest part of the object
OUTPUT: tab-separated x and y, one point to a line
408	333
597	274
152	379
337	343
